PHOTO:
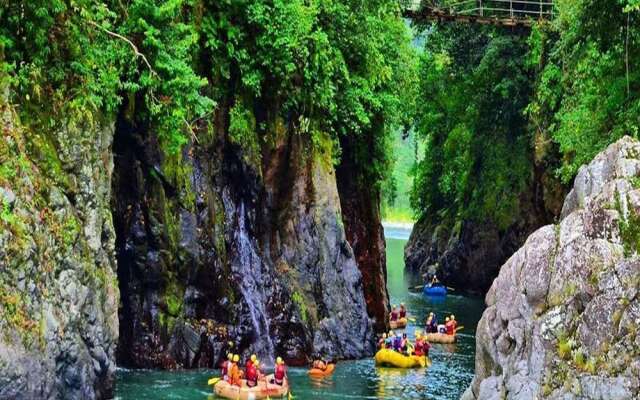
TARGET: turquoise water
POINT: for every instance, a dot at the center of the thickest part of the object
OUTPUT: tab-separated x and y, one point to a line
448	377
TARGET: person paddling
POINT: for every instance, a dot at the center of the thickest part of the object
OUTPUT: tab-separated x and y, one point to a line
403	311
280	373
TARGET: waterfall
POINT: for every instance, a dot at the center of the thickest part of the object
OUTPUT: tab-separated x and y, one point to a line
248	266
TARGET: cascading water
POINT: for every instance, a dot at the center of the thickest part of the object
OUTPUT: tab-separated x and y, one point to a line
247	267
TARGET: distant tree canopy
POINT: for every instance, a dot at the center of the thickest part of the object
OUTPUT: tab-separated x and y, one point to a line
493	102
474	87
343	67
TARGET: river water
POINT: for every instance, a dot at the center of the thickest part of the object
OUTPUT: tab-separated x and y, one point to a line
447	378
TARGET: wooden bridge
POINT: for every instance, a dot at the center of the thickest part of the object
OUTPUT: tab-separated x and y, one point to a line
496	12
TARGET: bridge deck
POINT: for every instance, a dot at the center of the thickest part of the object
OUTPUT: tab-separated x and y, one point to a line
496	12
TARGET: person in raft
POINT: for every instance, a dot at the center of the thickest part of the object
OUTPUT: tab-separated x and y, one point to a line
397	343
450	326
252	372
421	347
250	361
432	323
394	313
226	366
235	375
382	343
280	373
403	311
389	342
320	364
454	322
404	344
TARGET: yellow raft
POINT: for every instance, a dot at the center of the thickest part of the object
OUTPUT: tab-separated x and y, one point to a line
262	391
399	324
440	338
391	358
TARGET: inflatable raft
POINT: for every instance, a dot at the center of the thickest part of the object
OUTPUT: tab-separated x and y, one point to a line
436	290
262	391
319	373
399	324
391	358
440	338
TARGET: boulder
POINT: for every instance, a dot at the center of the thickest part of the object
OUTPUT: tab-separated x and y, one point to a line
562	318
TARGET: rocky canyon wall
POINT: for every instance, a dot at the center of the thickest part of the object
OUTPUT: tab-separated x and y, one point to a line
467	254
563	315
249	255
58	289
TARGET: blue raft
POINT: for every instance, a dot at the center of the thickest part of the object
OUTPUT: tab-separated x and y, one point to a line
437	290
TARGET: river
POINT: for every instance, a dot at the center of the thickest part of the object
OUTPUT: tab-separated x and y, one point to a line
449	375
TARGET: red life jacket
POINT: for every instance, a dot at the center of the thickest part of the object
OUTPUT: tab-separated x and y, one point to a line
279	372
425	348
394	315
403	313
248	364
450	328
252	372
418	348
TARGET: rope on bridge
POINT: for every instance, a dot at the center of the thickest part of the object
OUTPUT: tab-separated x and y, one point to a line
497	12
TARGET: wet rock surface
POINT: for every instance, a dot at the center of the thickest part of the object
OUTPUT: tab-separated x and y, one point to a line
58	290
249	256
563	315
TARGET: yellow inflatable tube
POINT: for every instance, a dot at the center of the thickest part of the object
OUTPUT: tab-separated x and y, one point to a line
391	358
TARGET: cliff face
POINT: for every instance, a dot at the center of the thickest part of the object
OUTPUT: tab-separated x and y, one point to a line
563	315
250	255
58	290
361	216
467	255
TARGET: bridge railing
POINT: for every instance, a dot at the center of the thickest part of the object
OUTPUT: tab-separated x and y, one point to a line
514	9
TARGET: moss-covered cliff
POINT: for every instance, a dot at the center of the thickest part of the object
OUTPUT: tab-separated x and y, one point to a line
237	256
58	288
189	148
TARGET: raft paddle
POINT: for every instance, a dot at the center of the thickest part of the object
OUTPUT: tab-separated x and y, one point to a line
459	328
213	381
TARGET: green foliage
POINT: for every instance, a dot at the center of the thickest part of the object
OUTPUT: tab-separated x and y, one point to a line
302	307
6	214
78	61
587	91
629	229
475	84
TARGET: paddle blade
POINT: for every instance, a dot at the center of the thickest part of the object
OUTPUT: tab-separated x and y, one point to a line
213	381
459	328
411	319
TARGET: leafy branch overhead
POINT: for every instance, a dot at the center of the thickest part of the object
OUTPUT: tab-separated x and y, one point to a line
342	65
